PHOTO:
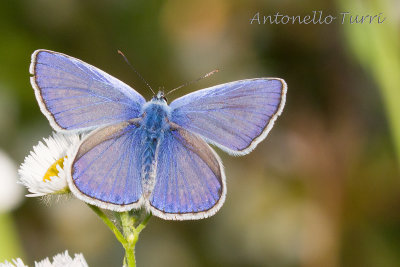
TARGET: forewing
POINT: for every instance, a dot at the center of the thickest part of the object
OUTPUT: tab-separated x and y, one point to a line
234	116
77	96
106	169
190	180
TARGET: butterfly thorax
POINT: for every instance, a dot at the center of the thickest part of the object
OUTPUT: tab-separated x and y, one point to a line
155	115
155	122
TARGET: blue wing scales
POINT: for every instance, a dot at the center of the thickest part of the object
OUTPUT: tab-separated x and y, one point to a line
77	96
234	116
190	180
106	169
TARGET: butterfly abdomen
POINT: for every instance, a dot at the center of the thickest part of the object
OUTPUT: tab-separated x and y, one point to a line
149	164
154	121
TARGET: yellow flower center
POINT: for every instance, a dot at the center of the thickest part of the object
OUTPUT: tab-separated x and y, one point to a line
52	171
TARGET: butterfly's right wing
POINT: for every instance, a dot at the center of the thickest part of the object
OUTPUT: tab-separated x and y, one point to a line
190	180
106	168
74	95
235	116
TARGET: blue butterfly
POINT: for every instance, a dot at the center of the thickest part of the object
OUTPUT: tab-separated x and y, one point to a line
151	154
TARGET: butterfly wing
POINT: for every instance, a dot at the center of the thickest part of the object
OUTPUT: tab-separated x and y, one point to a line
74	95
234	116
190	180
106	168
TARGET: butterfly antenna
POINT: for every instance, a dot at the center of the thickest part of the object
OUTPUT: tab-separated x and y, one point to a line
191	82
138	74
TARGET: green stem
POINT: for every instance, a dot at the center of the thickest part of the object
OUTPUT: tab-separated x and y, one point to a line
131	233
109	223
143	224
128	226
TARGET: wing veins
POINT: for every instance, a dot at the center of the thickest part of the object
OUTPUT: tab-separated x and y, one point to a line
115	163
79	75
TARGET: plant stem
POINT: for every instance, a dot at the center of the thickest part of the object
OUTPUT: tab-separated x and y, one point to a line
130	235
128	227
143	224
109	223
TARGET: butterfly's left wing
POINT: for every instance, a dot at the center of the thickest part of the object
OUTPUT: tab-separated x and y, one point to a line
190	180
106	168
74	95
234	116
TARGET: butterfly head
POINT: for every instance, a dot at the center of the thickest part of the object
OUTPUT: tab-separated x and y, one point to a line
160	97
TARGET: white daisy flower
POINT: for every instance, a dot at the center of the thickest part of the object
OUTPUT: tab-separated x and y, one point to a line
10	193
15	263
63	260
59	260
43	169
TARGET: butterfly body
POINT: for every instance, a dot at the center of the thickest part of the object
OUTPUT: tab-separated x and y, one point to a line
156	114
154	122
151	154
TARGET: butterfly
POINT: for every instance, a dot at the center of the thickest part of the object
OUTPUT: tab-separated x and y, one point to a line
151	154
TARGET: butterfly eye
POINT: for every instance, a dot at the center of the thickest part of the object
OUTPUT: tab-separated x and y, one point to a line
165	98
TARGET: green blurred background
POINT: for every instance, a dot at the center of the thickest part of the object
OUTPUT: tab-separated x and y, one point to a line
322	190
